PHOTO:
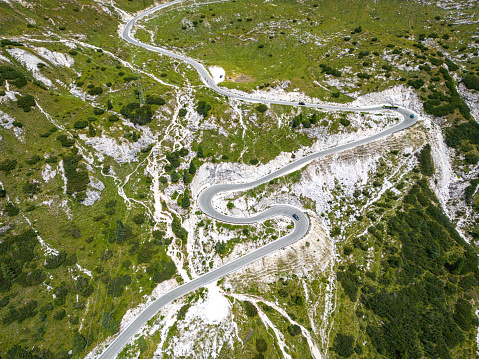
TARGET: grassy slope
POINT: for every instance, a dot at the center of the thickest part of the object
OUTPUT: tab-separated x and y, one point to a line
59	230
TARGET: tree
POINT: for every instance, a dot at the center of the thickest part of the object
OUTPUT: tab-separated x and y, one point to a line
91	130
203	108
185	203
80	124
78	342
344	345
8	165
139	218
174	177
250	308
26	102
426	163
120	232
199	153
192	169
261	108
294	330
109	105
186	177
220	247
471	82
261	345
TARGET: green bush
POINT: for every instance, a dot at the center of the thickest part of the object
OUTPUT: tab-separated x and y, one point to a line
261	108
137	113
155	101
59	315
98	111
330	71
178	230
14	76
426	164
95	91
471	82
344	345
203	108
26	102
364	76
8	165
417	83
11	210
182	112
250	309
76	174
345	122
163	270
294	330
78	342
139	218
261	345
80	124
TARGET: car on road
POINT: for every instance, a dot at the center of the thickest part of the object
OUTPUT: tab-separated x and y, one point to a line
302	103
412	115
295	216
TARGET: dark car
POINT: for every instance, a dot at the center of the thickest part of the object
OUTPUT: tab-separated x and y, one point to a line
295	216
302	103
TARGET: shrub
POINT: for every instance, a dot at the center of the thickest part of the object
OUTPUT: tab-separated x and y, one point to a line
178	230
163	270
329	70
344	345
182	112
59	315
253	161
426	164
471	82
294	330
137	114
345	122
261	345
364	76
203	108
26	102
451	65
417	83
250	309
261	108
80	124
11	210
139	218
8	165
95	91
155	101
220	247
98	111
78	342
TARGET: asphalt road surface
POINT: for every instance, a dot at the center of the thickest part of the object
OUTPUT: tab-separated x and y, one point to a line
301	226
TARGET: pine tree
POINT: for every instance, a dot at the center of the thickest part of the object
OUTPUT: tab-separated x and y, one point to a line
91	130
186	177
185	203
120	233
199	153
192	169
109	105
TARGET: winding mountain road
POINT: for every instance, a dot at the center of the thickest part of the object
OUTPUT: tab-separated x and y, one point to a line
301	225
